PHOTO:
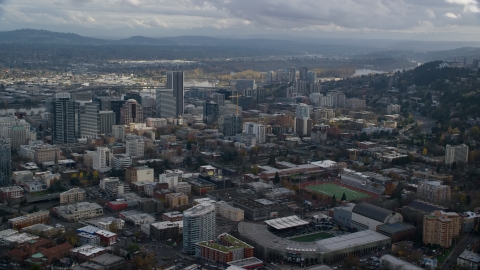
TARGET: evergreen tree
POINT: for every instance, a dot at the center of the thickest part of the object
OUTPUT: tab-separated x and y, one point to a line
276	180
344	198
334	201
469	199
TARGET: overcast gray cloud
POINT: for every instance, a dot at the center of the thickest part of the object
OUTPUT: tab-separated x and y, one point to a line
375	18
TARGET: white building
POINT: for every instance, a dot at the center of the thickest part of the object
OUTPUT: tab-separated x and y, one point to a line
170	177
102	159
122	161
135	146
118	132
393	108
105	222
137	218
198	225
107	180
256	129
457	153
469	260
78	211
302	110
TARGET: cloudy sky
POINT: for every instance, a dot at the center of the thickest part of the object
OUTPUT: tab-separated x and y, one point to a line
391	19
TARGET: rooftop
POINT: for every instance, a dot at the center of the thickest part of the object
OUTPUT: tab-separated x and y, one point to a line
73	190
87	250
246	262
87	235
234	242
165	225
107	259
470	256
200	209
286	222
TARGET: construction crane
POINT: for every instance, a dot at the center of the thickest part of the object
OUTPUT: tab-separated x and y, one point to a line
236	96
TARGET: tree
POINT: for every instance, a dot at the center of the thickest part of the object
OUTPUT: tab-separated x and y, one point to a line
188	161
469	199
131	248
166	164
276	180
71	237
189	145
113	227
35	208
425	151
80	175
255	169
334	201
35	267
344	198
475	131
95	175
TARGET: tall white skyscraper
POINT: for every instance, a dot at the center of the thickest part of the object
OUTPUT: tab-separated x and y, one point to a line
198	225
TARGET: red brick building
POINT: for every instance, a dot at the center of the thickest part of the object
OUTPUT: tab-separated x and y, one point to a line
225	249
117	205
10	193
107	238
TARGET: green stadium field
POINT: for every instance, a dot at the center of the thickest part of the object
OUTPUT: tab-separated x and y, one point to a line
312	237
332	189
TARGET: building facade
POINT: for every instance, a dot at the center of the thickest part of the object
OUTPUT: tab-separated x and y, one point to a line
198	225
40	217
457	153
131	112
434	191
441	227
73	195
66	122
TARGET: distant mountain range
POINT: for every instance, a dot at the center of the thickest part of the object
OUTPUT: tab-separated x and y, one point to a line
418	50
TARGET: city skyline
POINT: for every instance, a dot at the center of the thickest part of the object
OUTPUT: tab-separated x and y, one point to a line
450	20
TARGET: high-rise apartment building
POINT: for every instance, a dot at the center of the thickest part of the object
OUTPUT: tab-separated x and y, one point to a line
434	191
261	95
257	129
131	112
311	77
118	131
135	146
198	225
393	108
355	103
456	153
302	111
230	124
90	121
303	73
103	159
301	88
19	136
440	227
107	121
66	122
175	82
303	126
219	99
210	112
165	104
5	162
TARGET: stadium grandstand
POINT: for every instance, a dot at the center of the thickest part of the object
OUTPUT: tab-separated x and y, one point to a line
292	226
360	181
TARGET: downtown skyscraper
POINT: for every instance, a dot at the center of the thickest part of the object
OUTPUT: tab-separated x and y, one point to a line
169	102
66	119
5	162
